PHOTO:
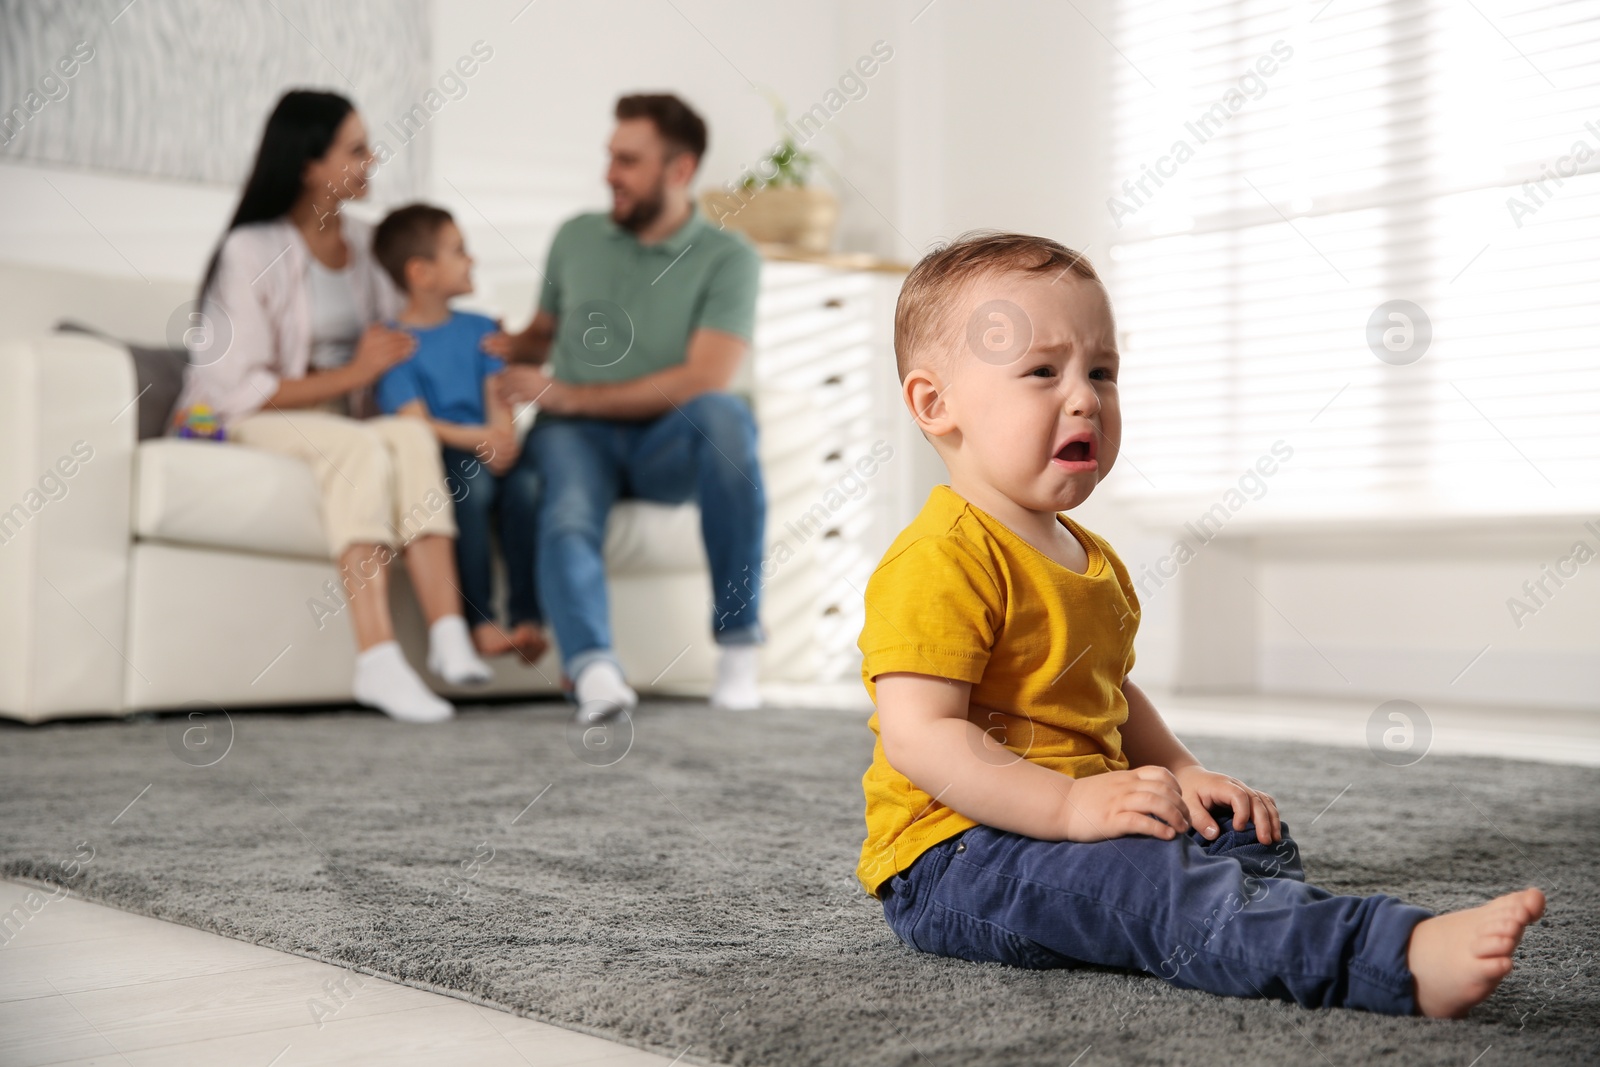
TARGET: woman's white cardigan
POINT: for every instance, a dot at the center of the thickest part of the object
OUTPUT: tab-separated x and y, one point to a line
259	307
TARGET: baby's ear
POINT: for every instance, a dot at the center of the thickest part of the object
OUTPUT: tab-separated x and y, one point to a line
923	393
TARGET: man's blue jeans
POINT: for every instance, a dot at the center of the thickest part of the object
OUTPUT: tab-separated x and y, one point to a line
1230	916
703	450
483	501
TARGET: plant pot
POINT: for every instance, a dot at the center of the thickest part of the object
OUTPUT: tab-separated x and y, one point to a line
801	217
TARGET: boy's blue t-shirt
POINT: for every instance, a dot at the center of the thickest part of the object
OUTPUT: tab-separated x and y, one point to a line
446	372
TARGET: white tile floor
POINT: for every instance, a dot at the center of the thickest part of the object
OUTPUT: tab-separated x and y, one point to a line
82	984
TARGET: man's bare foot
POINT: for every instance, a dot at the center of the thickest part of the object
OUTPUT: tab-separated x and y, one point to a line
529	641
1459	958
490	640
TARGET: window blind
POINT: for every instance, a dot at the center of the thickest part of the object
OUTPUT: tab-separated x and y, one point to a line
1284	174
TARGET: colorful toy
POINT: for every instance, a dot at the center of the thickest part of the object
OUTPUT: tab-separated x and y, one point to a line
199	422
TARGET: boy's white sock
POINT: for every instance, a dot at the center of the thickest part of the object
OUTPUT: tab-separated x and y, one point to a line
384	680
738	667
602	692
451	655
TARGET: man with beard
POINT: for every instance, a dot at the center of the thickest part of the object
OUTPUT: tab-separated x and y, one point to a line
643	319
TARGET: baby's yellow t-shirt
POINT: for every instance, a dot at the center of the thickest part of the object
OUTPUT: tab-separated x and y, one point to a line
960	595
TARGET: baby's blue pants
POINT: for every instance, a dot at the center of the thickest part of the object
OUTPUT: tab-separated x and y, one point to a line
1230	916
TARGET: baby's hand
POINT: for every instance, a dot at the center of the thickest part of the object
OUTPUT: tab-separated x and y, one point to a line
1251	807
1146	800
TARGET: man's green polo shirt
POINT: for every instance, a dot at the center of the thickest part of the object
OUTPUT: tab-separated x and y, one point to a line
625	309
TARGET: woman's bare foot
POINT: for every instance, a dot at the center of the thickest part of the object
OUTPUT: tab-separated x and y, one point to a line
490	640
529	641
1459	958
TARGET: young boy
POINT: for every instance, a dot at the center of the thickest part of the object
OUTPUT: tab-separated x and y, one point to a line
1026	803
449	382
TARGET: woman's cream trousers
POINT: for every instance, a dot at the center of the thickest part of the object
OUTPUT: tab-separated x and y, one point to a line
382	479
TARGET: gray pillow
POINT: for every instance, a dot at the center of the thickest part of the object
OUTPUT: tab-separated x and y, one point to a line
160	374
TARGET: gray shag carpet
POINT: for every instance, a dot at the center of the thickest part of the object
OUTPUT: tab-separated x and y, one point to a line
696	896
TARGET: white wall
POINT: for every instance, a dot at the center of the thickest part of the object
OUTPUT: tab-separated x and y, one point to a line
139	228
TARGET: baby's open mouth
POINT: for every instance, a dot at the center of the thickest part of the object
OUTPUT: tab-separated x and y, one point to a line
1077	453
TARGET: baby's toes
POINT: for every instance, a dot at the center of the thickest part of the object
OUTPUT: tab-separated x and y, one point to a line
1521	908
1508	925
1528	905
1490	945
1495	967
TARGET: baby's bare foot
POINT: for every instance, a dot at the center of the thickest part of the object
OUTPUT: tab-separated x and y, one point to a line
1459	958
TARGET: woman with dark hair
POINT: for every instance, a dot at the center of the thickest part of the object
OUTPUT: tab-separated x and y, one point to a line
295	291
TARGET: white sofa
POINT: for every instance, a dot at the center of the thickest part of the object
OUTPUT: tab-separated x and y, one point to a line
166	574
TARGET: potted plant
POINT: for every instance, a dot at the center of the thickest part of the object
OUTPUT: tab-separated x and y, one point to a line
774	202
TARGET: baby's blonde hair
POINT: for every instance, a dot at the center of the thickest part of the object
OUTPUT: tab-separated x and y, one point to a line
931	289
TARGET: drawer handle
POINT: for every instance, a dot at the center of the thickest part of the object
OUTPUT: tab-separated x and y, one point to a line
833	302
833	379
833	457
833	533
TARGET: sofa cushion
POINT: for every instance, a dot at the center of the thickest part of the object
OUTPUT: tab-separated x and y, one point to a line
226	496
644	538
231	496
